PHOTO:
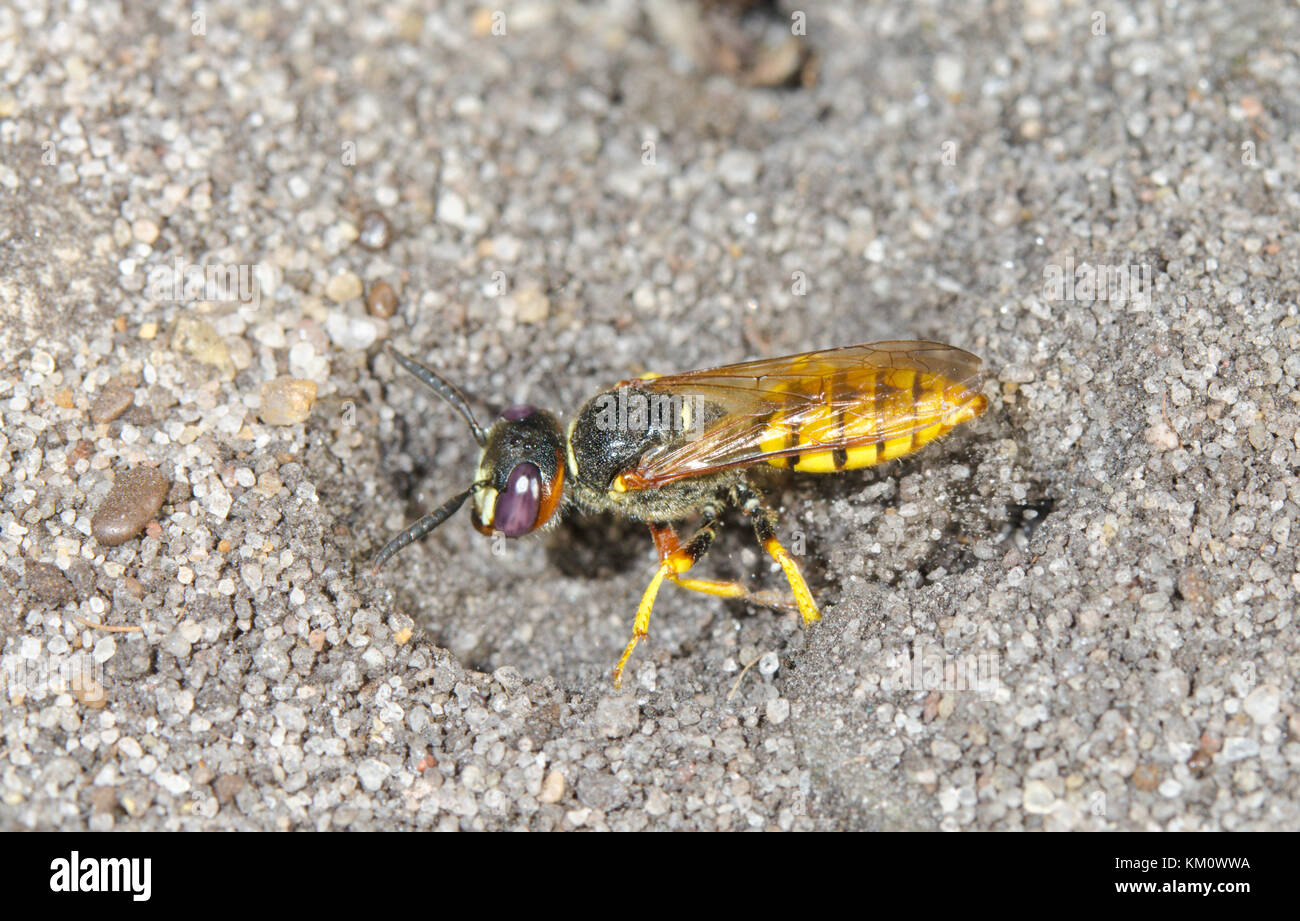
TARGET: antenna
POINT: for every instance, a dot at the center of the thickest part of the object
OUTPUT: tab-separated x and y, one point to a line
445	389
419	529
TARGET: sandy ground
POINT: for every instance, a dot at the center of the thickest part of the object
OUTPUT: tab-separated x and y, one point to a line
1076	613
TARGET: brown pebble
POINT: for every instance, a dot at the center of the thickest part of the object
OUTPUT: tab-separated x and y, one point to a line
778	65
139	416
287	400
80	451
110	403
381	300
136	497
82	576
227	786
376	232
103	799
48	583
1203	757
1146	777
88	691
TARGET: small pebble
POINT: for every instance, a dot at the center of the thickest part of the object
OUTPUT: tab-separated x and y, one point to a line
226	786
1263	703
104	649
738	169
1146	777
1038	798
48	583
343	287
43	362
145	230
778	711
381	300
349	332
531	305
372	773
1162	436
376	231
135	499
778	65
88	691
617	715
197	338
110	403
949	73
287	400
552	788
177	644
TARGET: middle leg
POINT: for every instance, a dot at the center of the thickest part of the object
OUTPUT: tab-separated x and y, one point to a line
764	521
672	563
667	543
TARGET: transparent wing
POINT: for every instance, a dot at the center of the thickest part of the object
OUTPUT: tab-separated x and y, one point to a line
842	398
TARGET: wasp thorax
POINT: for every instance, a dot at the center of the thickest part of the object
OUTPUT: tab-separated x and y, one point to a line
520	473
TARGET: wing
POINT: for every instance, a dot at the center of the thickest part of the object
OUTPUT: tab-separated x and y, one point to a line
818	411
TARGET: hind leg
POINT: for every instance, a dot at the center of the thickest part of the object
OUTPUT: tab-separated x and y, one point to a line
667	542
764	521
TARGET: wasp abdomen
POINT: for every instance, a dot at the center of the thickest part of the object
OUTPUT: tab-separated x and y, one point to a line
859	419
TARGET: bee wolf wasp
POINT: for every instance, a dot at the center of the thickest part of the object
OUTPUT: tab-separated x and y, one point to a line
659	449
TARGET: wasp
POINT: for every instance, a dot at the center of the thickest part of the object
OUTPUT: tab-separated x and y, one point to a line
660	449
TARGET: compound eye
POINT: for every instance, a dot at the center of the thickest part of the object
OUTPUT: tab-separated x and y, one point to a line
516	508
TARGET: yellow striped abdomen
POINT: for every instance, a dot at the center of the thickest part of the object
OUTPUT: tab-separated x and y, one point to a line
854	419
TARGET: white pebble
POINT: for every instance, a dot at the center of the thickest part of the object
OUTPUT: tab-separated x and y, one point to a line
778	711
104	650
1263	703
349	332
218	500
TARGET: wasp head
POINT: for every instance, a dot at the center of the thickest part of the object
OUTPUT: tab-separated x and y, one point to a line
520	473
520	470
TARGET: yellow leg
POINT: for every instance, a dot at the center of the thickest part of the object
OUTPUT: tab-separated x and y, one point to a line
674	559
641	626
764	521
802	596
668	544
714	587
736	590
